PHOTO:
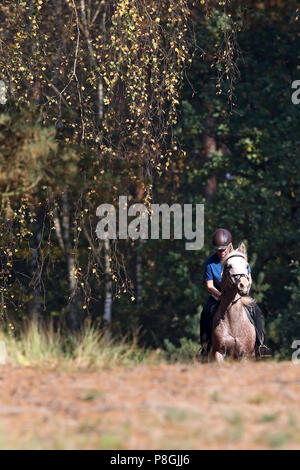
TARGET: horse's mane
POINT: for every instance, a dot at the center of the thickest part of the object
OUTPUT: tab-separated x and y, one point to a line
248	301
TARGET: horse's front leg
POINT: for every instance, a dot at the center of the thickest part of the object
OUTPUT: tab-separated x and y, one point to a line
218	353
219	357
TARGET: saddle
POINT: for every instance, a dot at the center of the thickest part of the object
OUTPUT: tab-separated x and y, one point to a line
249	313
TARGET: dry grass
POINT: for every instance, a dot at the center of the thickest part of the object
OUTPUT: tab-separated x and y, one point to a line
232	406
83	391
89	348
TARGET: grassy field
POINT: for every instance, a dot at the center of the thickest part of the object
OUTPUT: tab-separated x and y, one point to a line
89	349
97	395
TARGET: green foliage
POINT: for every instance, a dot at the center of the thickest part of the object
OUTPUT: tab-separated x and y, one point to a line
185	352
237	152
25	149
255	162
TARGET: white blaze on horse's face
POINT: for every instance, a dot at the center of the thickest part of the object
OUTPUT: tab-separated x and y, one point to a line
237	271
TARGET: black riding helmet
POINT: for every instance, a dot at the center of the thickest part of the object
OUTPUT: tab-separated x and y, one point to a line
221	239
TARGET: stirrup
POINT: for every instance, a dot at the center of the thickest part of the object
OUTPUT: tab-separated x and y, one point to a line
264	351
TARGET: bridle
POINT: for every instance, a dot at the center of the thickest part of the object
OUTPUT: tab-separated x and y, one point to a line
236	277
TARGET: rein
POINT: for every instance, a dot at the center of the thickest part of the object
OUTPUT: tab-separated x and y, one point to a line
235	301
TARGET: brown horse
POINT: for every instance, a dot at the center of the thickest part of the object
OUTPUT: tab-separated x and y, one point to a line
233	334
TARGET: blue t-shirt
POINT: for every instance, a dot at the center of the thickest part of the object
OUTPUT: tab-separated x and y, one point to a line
213	270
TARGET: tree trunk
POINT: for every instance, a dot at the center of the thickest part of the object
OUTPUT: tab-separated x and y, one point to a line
139	274
36	301
108	283
36	270
210	146
73	319
92	55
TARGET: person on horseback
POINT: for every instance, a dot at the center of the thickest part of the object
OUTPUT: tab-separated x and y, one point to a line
213	274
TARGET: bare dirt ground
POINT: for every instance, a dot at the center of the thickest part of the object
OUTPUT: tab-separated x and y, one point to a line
233	406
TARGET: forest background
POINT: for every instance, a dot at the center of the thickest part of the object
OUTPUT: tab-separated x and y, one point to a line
165	102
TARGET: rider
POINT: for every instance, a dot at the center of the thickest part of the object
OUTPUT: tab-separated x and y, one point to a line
213	274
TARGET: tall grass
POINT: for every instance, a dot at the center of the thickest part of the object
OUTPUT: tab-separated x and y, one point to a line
87	348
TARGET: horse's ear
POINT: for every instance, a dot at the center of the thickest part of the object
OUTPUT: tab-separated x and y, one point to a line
242	249
229	248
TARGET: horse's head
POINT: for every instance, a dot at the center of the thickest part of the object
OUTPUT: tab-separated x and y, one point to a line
235	270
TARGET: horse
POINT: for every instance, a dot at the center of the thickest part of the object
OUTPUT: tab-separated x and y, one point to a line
233	334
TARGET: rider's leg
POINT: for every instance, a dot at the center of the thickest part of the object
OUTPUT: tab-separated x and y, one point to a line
205	328
205	322
257	317
203	353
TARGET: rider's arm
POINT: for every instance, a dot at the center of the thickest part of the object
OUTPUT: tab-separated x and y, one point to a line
211	289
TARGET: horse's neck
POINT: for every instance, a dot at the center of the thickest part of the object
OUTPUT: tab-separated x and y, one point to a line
230	296
230	303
